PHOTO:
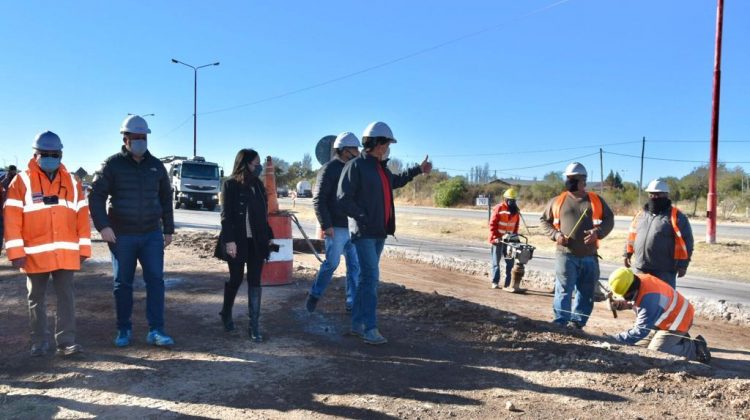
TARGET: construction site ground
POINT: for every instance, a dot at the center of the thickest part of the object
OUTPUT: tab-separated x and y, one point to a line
457	349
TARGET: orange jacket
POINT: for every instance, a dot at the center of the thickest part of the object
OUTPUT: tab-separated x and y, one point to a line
502	222
51	236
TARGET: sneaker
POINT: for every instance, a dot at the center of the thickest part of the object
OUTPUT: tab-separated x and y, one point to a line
123	338
311	303
159	338
374	337
701	350
69	349
38	350
495	286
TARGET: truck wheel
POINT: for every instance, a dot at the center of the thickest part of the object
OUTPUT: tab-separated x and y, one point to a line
176	204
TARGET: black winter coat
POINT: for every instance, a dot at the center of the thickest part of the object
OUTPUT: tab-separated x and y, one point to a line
360	195
237	201
139	192
327	209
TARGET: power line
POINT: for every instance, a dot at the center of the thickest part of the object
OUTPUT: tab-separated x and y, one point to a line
528	167
672	160
178	127
389	62
536	151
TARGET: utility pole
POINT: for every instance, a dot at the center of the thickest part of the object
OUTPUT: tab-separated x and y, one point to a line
601	170
195	99
640	183
711	200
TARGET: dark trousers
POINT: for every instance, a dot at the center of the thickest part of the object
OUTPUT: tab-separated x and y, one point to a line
254	265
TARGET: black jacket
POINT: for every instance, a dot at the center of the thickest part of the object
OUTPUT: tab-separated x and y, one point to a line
141	197
237	201
360	195
327	209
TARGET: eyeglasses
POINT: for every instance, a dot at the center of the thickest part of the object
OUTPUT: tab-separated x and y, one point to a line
50	154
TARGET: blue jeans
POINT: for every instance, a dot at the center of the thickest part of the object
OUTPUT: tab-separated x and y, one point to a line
364	312
340	244
498	252
581	274
148	249
669	277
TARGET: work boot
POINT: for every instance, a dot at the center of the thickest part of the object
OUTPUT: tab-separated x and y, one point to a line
701	350
575	325
311	303
39	349
374	337
254	306
357	331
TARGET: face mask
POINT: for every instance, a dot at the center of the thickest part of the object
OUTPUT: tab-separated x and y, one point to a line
571	185
138	147
659	204
387	153
257	170
49	164
512	206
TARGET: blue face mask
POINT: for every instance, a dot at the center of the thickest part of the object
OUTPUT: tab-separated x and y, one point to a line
49	164
258	170
138	147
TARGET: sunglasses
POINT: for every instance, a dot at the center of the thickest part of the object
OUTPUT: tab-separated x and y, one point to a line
50	154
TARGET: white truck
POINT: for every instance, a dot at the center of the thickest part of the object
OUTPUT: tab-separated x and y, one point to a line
195	182
304	189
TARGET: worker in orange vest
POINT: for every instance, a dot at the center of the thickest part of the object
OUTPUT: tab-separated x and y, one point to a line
505	219
576	220
47	233
660	240
658	307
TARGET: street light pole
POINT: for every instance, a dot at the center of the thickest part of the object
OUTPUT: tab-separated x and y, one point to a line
195	100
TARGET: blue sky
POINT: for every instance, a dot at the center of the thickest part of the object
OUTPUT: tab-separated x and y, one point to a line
532	81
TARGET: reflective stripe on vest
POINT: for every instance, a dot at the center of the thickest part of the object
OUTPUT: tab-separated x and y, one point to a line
678	315
680	248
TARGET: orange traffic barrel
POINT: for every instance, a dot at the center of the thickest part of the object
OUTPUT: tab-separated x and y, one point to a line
278	269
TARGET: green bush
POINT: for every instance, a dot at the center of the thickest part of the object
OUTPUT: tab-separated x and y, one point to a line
449	193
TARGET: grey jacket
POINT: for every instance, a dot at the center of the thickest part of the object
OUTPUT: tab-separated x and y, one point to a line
654	243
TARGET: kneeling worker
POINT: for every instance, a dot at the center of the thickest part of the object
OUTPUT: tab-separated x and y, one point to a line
659	307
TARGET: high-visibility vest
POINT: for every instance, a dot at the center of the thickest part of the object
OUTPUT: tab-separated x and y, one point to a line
503	222
52	236
597	210
678	311
680	248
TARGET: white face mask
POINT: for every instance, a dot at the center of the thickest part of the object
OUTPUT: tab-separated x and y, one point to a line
387	153
138	147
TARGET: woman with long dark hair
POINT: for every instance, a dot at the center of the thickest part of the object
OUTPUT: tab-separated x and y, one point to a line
245	236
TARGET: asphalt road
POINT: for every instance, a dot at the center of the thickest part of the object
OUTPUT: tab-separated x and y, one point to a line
723	231
691	285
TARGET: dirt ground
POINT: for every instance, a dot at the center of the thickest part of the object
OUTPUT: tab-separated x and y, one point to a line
457	349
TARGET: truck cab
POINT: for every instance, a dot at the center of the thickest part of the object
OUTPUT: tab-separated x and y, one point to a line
195	182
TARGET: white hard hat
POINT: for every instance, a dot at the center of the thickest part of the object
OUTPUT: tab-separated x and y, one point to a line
47	141
379	129
657	186
575	168
135	124
345	139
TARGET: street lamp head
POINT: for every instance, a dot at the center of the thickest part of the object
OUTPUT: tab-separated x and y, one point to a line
216	63
175	61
